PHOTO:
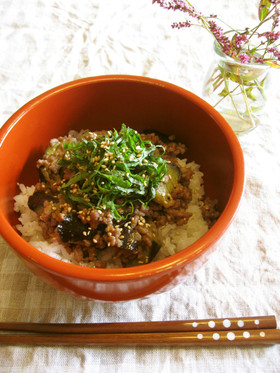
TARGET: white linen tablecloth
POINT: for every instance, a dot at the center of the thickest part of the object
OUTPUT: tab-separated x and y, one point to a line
46	43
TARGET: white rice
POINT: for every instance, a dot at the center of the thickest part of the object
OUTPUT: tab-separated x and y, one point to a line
174	238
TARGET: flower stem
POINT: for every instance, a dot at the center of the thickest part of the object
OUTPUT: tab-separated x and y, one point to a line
228	94
232	99
248	106
260	88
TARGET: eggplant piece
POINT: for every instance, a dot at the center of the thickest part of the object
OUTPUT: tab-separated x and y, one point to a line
130	243
71	229
43	174
163	192
152	251
147	256
37	199
129	240
149	253
51	149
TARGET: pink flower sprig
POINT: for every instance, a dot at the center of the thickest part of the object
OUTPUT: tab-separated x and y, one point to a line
225	43
247	46
275	52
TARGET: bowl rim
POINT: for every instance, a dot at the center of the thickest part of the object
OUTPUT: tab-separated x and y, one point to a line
57	266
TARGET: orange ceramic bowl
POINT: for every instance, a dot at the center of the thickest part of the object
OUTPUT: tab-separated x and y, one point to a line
105	102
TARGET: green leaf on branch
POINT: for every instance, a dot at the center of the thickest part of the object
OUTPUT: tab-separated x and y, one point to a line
250	95
264	7
229	75
273	64
256	109
223	93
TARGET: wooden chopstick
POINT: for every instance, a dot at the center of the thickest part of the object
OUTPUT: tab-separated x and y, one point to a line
202	332
217	338
253	322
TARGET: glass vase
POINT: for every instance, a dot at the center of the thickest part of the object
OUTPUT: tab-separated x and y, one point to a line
237	90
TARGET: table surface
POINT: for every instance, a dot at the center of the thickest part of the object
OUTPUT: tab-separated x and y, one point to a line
44	44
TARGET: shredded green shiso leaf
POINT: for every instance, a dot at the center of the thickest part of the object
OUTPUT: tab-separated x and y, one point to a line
116	166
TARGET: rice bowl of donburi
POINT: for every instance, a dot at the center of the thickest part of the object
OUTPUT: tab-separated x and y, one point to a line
122	186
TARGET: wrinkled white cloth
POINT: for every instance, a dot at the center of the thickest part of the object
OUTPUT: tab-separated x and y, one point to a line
46	43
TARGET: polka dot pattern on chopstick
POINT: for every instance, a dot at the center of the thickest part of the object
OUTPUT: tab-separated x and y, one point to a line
229	324
230	336
226	323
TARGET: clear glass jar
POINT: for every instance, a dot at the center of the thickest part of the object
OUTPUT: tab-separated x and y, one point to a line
237	90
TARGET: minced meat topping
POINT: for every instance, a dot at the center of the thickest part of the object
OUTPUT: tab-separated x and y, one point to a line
104	195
